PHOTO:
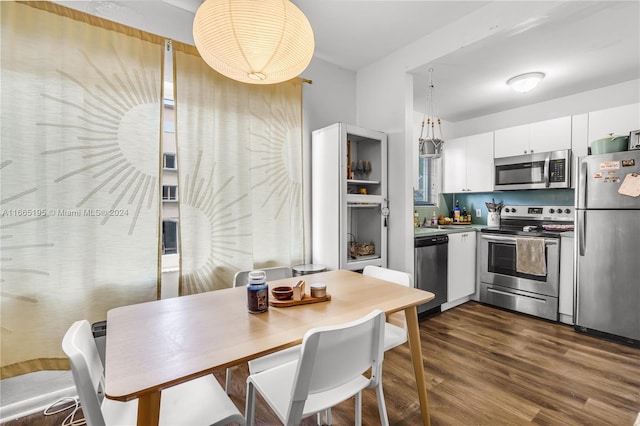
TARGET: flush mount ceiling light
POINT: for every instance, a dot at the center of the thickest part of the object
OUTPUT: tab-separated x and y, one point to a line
258	42
525	82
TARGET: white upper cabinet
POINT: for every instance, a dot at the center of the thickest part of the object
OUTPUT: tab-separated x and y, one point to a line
512	141
596	125
542	136
619	121
468	164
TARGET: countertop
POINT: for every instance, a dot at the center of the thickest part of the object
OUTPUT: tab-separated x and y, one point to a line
456	229
451	229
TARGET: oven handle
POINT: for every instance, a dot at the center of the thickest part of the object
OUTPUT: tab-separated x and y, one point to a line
546	172
512	240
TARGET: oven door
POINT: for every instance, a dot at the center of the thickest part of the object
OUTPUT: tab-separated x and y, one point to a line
497	258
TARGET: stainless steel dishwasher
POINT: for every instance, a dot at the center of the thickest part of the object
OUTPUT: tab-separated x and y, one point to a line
431	268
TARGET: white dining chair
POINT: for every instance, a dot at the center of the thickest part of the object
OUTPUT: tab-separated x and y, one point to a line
394	335
330	370
201	401
240	280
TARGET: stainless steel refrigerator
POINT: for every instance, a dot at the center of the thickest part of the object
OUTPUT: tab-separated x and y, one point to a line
607	257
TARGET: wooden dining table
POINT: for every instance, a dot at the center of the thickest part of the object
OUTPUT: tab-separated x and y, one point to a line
155	345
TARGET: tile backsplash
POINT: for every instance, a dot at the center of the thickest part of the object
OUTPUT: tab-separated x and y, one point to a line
473	201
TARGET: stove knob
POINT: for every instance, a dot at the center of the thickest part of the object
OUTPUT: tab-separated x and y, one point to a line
513	210
552	211
506	210
567	211
559	210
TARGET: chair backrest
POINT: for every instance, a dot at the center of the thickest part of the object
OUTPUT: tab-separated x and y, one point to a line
275	273
87	370
332	356
391	275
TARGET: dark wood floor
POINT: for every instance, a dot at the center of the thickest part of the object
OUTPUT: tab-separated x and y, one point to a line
487	366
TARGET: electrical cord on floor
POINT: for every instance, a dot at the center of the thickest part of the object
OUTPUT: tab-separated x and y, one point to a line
58	407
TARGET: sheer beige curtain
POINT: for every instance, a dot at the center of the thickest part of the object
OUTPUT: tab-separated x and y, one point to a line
240	177
79	170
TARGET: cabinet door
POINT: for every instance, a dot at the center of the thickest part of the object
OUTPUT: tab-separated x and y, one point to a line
550	135
619	121
479	163
454	165
461	266
512	141
579	137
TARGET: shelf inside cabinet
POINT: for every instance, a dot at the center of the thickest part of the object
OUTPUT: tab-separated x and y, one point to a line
363	182
363	199
363	258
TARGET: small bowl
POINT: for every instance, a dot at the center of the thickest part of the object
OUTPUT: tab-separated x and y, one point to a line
282	293
318	290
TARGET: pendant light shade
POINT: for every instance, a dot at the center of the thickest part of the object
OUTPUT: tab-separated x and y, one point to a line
254	41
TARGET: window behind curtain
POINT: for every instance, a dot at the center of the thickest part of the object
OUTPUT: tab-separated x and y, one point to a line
428	182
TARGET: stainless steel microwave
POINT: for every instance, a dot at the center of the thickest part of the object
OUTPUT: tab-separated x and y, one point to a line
542	170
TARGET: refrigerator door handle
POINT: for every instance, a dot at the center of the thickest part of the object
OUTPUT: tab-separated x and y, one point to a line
582	186
582	218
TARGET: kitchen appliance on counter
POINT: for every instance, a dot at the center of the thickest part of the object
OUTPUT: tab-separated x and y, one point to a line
607	261
519	262
431	253
541	170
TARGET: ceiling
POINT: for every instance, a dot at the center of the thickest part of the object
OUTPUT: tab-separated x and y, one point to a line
579	45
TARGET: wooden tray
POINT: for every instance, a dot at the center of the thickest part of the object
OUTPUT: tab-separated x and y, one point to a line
290	302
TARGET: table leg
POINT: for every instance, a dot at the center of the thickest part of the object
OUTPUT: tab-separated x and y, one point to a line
413	330
149	409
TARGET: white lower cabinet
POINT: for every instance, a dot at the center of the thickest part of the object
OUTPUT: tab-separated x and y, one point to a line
461	268
565	302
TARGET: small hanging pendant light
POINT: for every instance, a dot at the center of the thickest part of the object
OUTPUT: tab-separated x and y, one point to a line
430	146
254	41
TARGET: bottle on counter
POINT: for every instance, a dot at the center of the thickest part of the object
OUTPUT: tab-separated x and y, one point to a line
464	215
416	219
257	292
434	219
456	213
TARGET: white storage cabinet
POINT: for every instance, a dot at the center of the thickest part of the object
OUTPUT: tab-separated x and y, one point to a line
468	164
542	136
461	268
348	209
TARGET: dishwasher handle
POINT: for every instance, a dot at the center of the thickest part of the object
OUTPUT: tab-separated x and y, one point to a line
431	241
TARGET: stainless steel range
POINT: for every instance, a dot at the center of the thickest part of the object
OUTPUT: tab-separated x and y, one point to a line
519	262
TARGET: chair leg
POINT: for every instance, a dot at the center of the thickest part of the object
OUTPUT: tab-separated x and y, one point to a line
358	421
227	383
382	407
321	415
250	405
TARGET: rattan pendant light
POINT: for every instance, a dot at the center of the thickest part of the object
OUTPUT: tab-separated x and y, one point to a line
254	41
